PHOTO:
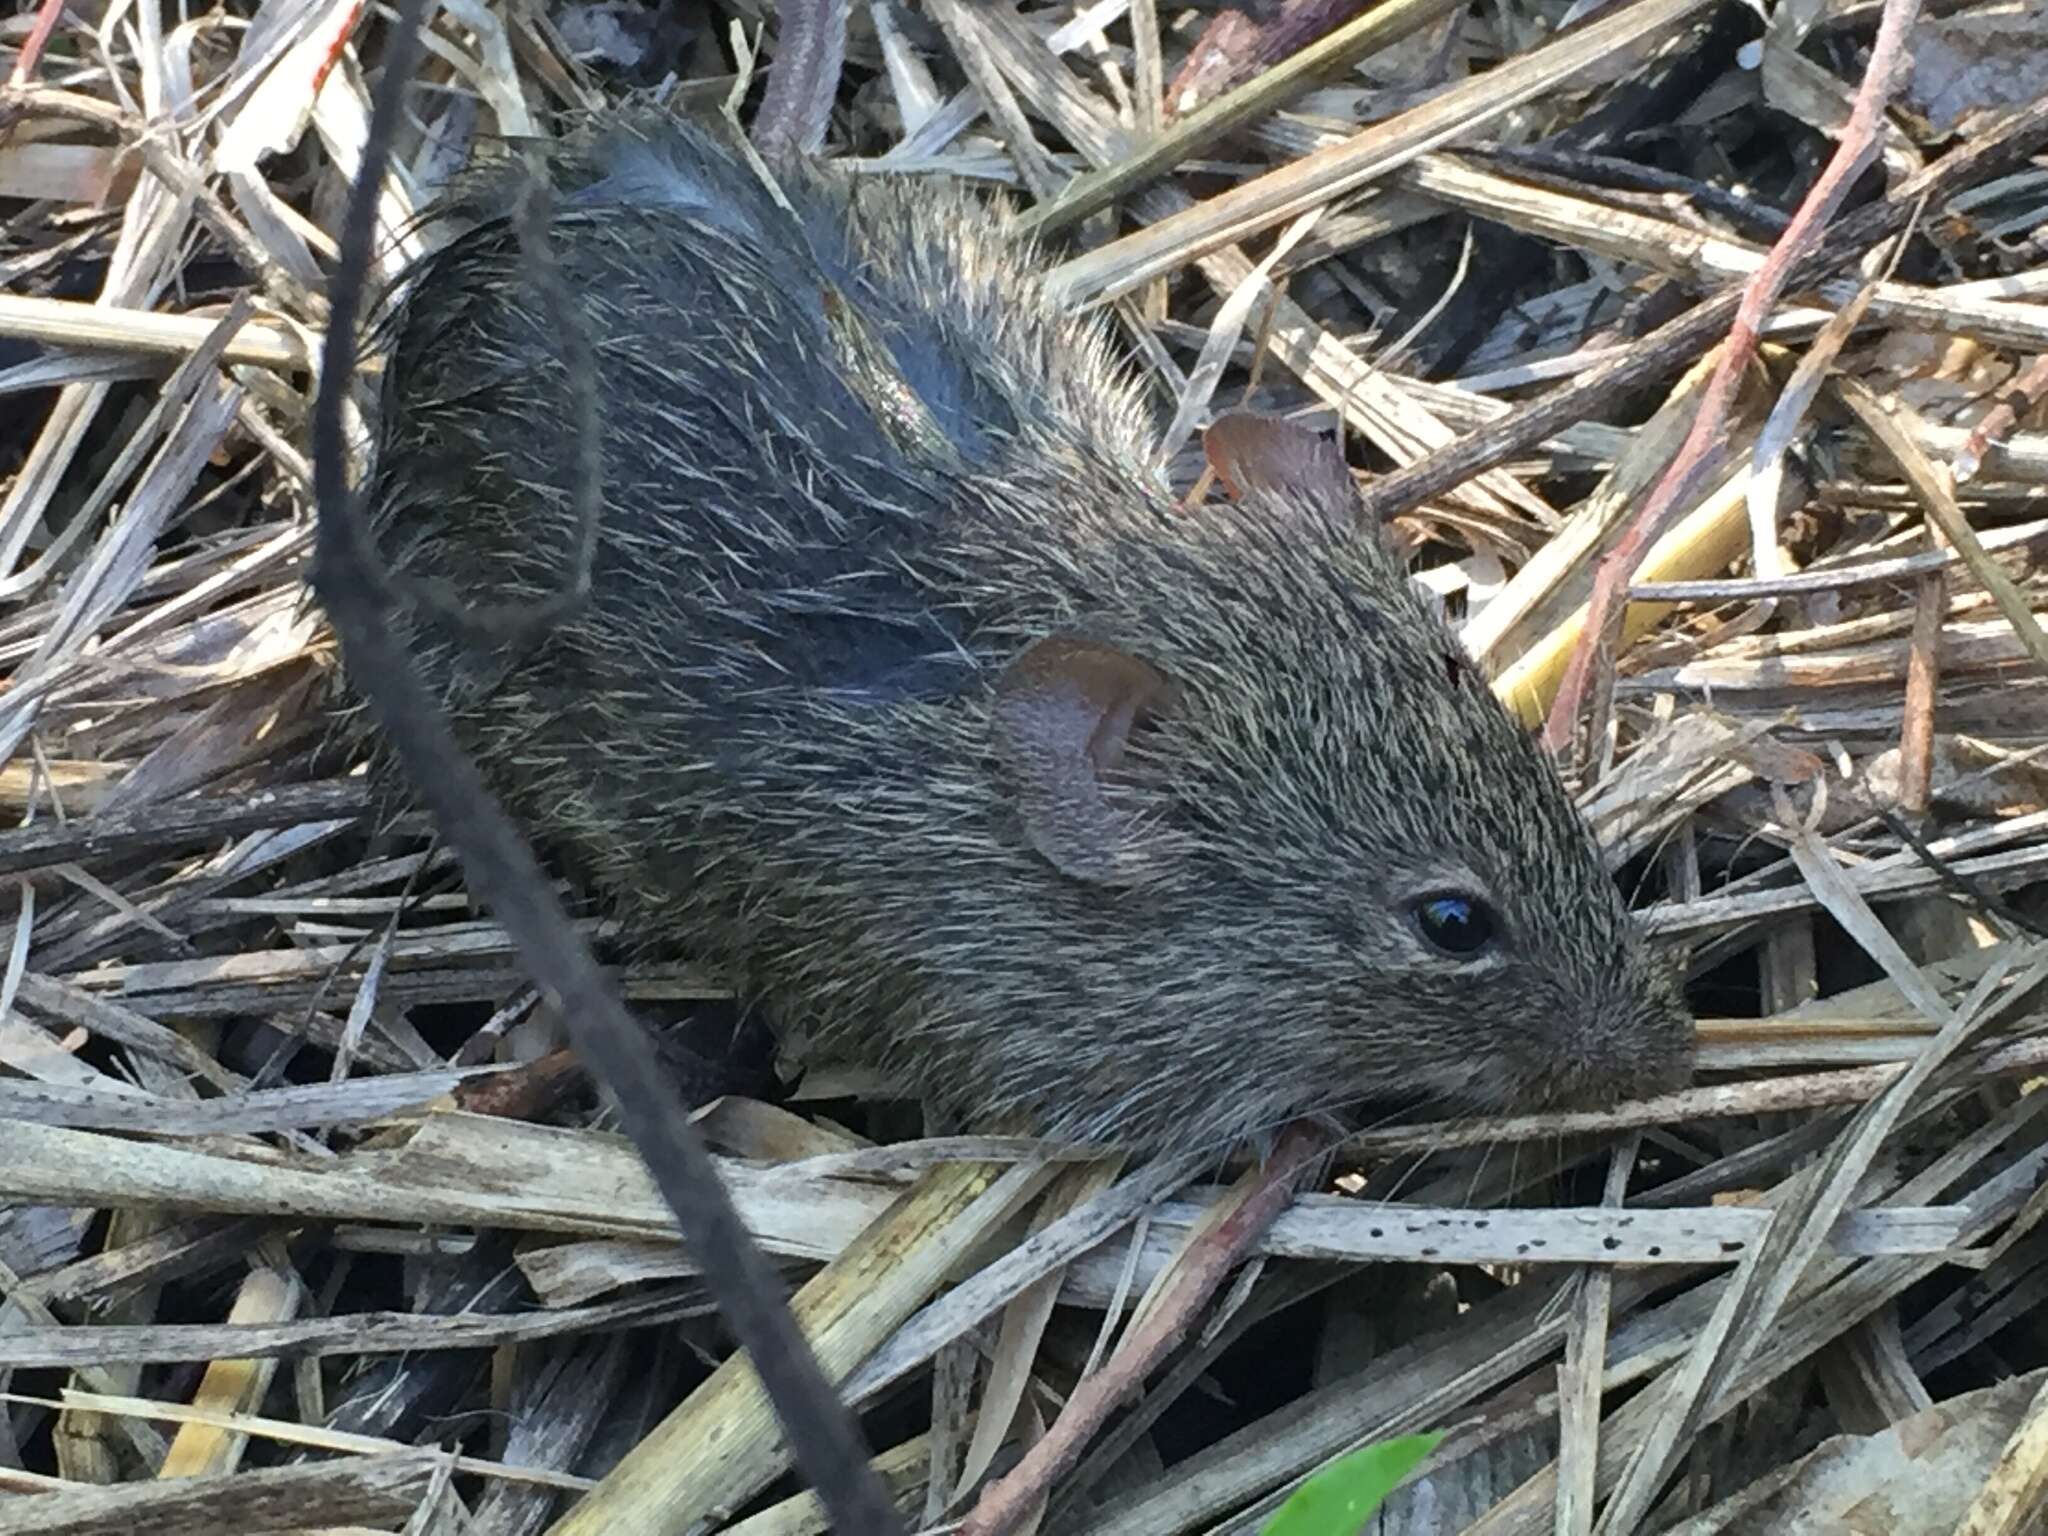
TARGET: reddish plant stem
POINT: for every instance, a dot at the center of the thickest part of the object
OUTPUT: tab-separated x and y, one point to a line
32	47
1857	148
1010	1498
2018	398
1923	684
341	27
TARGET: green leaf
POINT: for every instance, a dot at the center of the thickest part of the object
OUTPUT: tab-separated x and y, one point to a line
1342	1497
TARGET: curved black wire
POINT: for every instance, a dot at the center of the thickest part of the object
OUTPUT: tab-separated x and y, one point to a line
503	872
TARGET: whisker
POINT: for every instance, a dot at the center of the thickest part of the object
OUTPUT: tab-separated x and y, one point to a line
1472	1185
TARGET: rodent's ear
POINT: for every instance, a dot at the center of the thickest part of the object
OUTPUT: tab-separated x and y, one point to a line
1252	453
1064	711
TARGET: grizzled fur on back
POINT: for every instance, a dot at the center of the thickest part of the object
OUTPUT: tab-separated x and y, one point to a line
856	463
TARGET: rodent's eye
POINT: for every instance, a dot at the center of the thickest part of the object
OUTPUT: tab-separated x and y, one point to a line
1459	925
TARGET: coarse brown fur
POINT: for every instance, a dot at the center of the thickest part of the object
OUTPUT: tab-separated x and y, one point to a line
855	462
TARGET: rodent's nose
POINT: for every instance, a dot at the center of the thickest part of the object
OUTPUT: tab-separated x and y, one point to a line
1660	1043
1632	1047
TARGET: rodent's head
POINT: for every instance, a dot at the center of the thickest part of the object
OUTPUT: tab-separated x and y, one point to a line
1282	819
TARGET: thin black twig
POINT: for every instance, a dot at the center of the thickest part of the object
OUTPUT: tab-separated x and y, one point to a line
1959	885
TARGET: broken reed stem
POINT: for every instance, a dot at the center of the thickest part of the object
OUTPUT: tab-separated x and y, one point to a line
804	80
1006	1502
1857	148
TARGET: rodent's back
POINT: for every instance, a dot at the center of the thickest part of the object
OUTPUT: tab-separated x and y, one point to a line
880	526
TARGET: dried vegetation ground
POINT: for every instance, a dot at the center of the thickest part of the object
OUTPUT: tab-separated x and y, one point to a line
271	1206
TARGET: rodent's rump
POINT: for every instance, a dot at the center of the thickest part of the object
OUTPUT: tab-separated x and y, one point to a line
905	695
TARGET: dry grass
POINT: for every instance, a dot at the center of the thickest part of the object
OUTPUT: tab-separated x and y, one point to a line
295	1193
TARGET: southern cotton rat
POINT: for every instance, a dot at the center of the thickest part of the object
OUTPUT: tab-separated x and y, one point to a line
906	697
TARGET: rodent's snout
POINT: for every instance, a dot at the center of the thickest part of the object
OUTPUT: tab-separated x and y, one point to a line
1625	1048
